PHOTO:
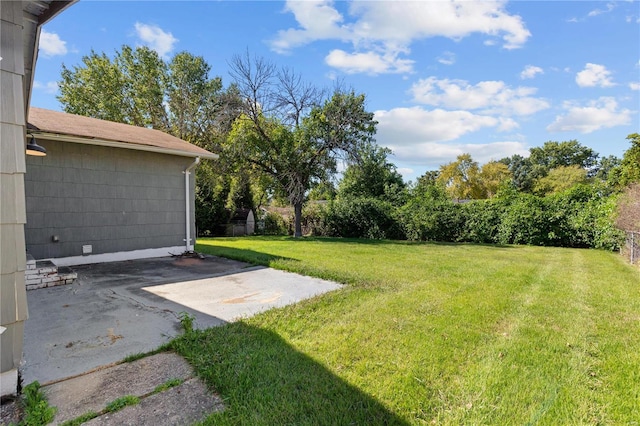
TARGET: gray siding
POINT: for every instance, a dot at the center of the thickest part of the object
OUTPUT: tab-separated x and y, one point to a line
113	199
13	303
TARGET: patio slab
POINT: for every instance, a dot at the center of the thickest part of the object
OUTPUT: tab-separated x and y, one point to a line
117	309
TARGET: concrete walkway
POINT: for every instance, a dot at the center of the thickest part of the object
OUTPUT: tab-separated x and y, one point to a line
117	309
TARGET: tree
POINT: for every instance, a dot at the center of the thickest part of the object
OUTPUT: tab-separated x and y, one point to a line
493	175
629	170
373	176
462	178
138	87
605	167
560	179
570	153
522	171
289	133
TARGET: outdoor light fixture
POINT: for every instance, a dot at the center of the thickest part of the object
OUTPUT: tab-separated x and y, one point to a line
34	149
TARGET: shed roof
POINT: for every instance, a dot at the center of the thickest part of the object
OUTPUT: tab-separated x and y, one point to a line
55	125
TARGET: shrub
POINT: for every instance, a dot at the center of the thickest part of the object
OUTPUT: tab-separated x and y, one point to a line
361	218
524	222
481	221
275	224
432	220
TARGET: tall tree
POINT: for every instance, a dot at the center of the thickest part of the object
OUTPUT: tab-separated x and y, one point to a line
629	169
560	179
179	97
289	133
569	153
462	178
373	176
492	175
138	87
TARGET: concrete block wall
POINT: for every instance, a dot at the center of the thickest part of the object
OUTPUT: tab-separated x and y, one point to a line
112	199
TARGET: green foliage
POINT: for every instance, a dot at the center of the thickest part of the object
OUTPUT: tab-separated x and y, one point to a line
361	218
629	170
482	221
431	216
560	179
81	419
461	178
120	403
557	154
289	133
372	176
171	383
275	224
37	410
186	321
524	222
178	97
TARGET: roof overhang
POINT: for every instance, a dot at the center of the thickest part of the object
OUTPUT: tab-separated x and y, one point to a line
123	145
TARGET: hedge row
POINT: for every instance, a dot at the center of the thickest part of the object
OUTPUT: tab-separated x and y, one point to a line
579	217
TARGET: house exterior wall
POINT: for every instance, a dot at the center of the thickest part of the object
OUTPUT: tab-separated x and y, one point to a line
13	302
115	200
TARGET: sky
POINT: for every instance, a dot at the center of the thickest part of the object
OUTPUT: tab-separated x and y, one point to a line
443	77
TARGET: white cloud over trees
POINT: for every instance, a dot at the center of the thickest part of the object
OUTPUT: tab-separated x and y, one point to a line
595	115
380	32
156	38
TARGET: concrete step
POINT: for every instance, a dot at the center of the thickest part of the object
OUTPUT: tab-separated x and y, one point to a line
44	273
186	403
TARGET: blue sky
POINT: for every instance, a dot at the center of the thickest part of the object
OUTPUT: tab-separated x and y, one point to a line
491	78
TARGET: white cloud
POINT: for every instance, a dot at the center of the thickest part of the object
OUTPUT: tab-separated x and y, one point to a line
431	155
156	38
405	171
385	30
594	75
51	44
447	58
408	126
490	97
530	71
370	62
634	85
598	114
50	87
596	12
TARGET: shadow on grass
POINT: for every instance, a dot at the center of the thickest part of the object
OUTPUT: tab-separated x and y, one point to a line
242	255
265	381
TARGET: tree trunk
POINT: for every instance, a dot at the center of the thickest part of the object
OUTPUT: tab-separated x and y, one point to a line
297	208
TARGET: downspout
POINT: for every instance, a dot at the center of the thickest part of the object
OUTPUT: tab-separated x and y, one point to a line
187	172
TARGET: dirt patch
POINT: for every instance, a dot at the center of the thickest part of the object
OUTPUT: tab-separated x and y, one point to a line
10	411
187	261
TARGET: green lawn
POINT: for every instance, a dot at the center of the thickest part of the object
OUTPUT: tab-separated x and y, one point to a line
430	334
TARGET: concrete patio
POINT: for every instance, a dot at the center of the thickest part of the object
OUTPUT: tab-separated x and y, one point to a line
117	309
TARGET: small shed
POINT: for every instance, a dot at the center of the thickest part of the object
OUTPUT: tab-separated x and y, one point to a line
242	222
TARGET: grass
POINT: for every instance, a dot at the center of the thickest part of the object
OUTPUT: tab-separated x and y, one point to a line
430	334
37	410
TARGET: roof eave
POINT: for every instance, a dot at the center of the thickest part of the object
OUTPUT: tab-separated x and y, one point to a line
123	145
